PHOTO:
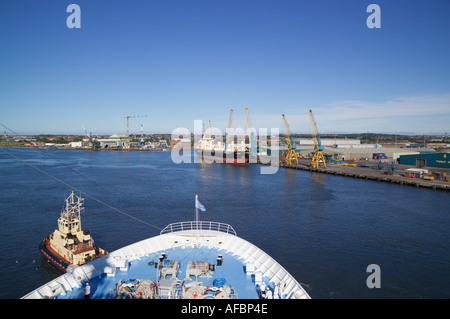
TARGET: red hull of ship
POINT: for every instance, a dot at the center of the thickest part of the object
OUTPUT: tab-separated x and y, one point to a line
236	161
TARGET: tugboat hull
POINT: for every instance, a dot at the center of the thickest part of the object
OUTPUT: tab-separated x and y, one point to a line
53	259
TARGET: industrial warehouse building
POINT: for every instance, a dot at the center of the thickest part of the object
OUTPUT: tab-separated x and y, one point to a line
441	160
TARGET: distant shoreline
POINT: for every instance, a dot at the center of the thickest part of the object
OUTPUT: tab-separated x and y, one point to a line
84	148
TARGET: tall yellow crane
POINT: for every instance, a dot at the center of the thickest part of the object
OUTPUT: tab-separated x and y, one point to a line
128	117
227	133
251	134
318	160
291	157
209	134
346	141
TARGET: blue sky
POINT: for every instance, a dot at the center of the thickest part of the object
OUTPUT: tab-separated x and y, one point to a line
180	61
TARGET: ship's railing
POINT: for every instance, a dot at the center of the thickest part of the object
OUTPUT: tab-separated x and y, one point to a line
200	225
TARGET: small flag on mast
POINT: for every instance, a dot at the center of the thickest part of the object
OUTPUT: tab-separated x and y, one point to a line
199	205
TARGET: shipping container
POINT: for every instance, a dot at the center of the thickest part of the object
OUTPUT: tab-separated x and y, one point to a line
377	156
415	172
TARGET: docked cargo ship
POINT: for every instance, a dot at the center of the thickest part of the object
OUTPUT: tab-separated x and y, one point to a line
187	260
220	153
69	246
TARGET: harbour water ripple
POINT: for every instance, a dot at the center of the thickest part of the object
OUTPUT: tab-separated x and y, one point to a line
325	230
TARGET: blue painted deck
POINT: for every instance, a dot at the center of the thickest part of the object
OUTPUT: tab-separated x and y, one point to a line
232	270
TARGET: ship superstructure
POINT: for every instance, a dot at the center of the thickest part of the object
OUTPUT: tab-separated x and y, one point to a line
234	153
229	151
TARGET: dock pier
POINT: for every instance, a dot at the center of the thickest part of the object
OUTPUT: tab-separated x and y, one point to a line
372	174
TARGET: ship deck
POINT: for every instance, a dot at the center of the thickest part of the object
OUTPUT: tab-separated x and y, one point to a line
232	270
244	266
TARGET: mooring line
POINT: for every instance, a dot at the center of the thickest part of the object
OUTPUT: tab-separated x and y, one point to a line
77	189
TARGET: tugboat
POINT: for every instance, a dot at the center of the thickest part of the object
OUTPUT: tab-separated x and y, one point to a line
69	246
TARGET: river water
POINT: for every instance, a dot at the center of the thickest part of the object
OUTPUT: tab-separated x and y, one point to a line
325	230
